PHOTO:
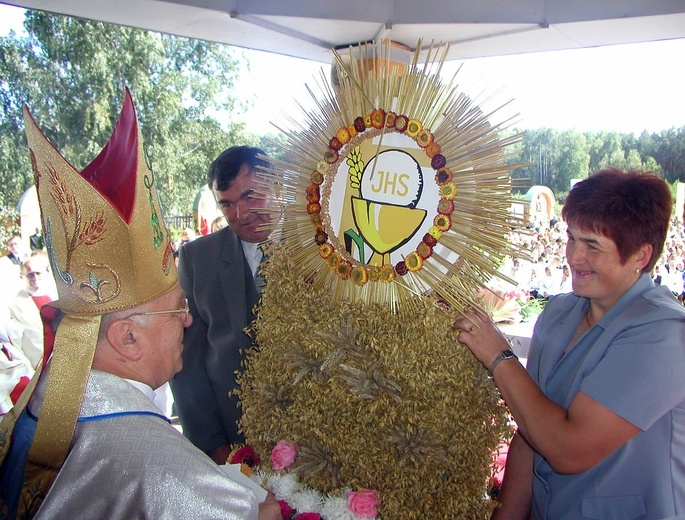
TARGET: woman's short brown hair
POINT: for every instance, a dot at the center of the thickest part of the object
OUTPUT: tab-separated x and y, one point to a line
631	208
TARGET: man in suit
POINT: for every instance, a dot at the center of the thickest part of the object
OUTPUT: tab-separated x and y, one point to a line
36	241
16	255
217	274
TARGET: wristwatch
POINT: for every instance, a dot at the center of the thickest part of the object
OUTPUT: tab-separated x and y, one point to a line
502	356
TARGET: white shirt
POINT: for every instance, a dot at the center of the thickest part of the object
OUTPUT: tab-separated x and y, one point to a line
253	254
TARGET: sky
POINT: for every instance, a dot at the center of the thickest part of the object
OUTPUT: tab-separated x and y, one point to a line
623	88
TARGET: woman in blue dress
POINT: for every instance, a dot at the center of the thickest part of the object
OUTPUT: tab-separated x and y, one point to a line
600	410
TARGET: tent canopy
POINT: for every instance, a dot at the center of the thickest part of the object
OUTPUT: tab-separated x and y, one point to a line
310	29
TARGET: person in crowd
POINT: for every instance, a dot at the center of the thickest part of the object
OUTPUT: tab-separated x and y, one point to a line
533	284
86	440
24	307
565	281
187	236
36	241
656	275
217	273
548	283
673	278
601	409
40	284
16	252
218	223
15	368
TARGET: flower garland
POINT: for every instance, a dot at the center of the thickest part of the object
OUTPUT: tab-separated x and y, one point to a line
338	147
300	502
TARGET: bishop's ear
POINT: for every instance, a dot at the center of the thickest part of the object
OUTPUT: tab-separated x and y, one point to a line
122	335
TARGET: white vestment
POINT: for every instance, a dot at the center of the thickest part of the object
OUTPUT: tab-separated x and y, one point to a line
127	461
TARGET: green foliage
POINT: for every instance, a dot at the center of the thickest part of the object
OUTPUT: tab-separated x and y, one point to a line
72	74
556	157
273	144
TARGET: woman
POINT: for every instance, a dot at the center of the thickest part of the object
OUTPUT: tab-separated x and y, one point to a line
601	410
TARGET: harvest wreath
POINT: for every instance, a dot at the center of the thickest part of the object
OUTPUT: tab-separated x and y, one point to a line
395	128
355	361
374	399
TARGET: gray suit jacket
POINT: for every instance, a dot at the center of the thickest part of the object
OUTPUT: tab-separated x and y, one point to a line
217	281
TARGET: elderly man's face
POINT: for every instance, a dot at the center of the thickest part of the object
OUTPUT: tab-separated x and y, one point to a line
163	337
35	274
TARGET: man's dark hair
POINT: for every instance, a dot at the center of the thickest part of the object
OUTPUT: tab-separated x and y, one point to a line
225	168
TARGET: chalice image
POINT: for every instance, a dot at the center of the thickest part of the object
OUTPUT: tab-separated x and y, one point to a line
385	227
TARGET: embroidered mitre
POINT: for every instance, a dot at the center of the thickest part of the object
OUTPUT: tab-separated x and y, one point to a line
107	244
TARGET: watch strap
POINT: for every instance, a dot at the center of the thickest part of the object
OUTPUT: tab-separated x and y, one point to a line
502	356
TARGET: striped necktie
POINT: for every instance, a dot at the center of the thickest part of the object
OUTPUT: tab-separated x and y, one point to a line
259	279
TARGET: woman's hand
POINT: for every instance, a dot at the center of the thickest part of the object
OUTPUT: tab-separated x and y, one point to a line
476	330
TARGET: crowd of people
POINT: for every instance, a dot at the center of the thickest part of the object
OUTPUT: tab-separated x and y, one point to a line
28	285
546	272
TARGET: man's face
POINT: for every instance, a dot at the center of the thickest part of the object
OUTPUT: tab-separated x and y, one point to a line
240	204
13	245
35	273
162	337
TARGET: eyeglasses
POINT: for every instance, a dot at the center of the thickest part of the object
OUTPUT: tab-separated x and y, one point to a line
34	274
183	311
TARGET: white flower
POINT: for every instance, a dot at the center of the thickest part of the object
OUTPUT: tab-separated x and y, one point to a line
259	477
284	486
335	508
306	501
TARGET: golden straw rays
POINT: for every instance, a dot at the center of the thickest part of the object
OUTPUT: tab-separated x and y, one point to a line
372	100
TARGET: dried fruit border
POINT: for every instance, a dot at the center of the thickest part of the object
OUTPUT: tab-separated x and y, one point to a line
350	136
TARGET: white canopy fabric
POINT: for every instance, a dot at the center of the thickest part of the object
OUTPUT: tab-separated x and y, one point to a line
311	28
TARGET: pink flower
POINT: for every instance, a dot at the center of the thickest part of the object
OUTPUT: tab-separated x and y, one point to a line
363	503
308	516
283	455
286	510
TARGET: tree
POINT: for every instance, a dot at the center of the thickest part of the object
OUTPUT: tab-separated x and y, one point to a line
534	151
606	151
555	157
570	160
273	144
670	153
633	160
72	74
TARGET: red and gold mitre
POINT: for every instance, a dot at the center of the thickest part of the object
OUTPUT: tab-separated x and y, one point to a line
108	246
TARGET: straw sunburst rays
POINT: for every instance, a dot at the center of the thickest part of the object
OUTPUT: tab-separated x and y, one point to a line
394	185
